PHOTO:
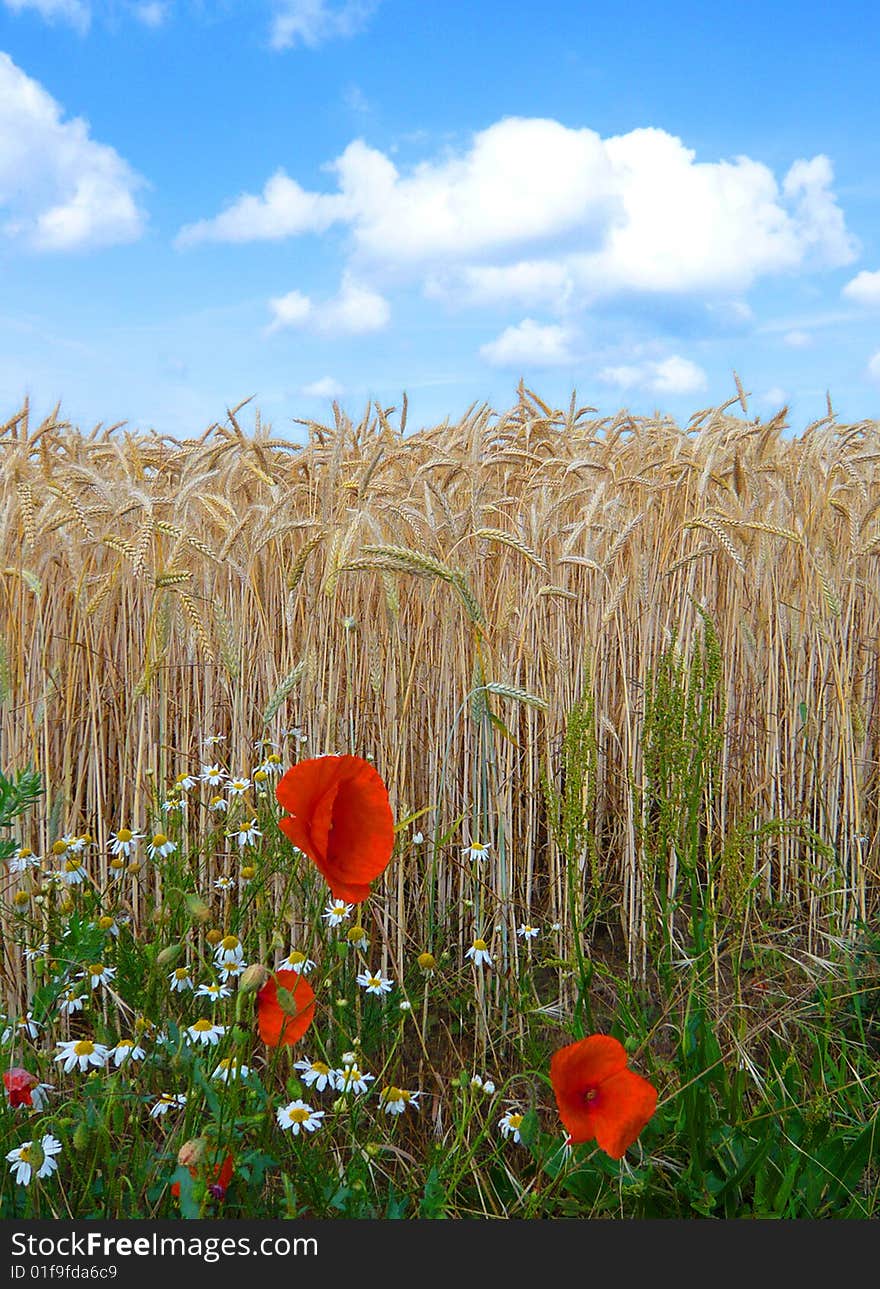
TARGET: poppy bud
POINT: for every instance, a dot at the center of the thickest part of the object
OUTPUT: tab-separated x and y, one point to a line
168	956
80	1137
197	908
253	978
192	1153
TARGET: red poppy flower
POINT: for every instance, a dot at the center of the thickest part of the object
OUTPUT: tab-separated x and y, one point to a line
340	816
219	1186
598	1096
19	1085
285	1008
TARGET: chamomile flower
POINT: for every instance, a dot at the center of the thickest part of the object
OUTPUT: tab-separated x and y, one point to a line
184	783
83	1053
160	846
218	805
224	883
167	1101
248	834
296	961
73	871
23	1026
213	775
378	984
351	1079
76	844
231	971
299	1117
295	732
357	938
477	850
213	740
271	765
127	1049
479	953
231	1068
229	950
510	1124
315	1074
215	991
336	912
97	974
124	842
238	787
418	838
395	1100
180	980
205	1032
71	1001
23	859
527	932
36	952
109	924
34	1159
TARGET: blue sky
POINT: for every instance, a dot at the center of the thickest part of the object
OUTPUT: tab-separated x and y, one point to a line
299	200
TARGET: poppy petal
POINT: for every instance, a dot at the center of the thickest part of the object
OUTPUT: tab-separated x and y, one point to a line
277	1026
624	1105
340	816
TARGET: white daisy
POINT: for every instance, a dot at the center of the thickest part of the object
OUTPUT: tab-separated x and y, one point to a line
296	961
34	1158
124	842
184	783
246	835
228	951
479	952
395	1100
295	732
375	984
24	1026
71	1001
315	1074
271	765
526	932
224	883
205	1032
215	991
160	846
213	740
109	924
180	980
510	1125
418	838
97	974
166	1102
218	805
231	971
83	1053
337	911
23	859
477	850
238	787
76	844
73	871
299	1117
350	1079
214	775
127	1049
38	951
231	1068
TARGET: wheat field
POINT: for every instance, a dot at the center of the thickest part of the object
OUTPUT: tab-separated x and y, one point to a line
439	601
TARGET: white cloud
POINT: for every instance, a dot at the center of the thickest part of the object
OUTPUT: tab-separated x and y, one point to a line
874	366
773	397
313	22
283	210
152	13
61	190
75	12
797	339
354	310
539	214
864	288
530	345
673	375
326	387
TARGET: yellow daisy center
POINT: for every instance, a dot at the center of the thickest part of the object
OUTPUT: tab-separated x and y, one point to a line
181	973
296	957
124	834
320	1068
230	942
160	839
480	946
85	1047
116	862
298	1115
96	969
105	922
59	847
203	1025
24	1154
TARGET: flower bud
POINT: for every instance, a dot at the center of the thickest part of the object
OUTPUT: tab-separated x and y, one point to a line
253	978
427	961
168	956
214	936
192	1153
197	908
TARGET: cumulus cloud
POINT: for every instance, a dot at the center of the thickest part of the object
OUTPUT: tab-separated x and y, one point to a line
797	339
530	344
864	288
313	22
326	387
59	188
284	209
354	310
77	13
673	375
